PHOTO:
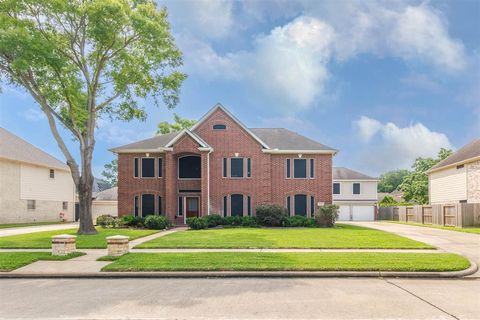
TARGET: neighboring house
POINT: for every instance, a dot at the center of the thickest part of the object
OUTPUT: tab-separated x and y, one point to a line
397	195
457	178
221	166
34	186
98	186
105	202
356	195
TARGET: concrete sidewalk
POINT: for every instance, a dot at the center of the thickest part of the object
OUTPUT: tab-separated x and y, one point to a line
24	230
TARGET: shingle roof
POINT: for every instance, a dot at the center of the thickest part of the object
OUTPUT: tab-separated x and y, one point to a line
99	185
341	173
468	151
150	143
107	195
284	139
14	148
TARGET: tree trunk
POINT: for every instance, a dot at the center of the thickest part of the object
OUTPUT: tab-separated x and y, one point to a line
84	190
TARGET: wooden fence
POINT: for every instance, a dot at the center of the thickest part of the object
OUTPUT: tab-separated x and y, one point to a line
454	215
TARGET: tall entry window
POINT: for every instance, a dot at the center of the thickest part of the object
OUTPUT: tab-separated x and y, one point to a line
300	205
236	205
189	167
148	204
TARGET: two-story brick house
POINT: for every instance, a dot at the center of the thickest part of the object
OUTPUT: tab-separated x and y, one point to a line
221	166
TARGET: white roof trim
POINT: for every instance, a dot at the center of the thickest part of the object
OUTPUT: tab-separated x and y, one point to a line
448	166
279	151
156	150
219	106
192	135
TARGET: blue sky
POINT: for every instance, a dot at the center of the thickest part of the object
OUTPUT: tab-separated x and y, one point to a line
384	82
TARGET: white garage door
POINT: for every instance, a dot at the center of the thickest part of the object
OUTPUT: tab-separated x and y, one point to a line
363	213
344	213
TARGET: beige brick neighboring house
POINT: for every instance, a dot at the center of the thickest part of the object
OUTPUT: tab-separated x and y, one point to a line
356	195
34	186
457	178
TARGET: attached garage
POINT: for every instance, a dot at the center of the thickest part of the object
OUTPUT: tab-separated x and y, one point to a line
356	213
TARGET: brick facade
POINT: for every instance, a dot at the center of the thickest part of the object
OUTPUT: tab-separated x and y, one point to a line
267	184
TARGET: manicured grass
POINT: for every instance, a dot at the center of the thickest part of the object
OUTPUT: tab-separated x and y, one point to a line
33	224
13	260
342	236
43	239
298	261
475	230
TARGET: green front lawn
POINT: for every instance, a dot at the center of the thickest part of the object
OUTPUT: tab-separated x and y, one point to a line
342	236
44	239
475	230
32	224
291	261
13	260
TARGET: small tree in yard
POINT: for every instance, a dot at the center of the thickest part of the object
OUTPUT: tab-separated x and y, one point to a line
110	173
80	60
327	215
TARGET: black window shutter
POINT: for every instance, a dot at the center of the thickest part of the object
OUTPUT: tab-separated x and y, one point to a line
160	167
288	168
312	168
224	167
135	167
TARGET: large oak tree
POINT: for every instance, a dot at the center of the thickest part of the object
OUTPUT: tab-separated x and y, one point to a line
81	60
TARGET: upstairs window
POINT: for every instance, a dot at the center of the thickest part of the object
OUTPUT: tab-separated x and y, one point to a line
312	168
336	188
52	174
160	167
236	168
288	168
224	167
356	188
135	167
249	167
300	168
219	127
189	167
148	167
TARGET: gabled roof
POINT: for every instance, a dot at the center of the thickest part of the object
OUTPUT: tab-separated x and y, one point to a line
341	173
99	185
468	152
218	106
13	147
107	194
272	140
284	139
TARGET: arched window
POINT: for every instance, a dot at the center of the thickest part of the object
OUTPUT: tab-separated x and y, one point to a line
189	167
236	205
300	205
219	126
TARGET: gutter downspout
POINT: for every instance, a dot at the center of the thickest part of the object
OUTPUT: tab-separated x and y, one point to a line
208	182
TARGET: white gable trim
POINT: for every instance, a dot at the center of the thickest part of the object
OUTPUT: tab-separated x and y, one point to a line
219	106
195	137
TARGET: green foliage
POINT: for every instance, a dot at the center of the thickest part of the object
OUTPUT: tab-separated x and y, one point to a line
249	222
110	173
232	221
179	124
107	221
214	220
271	215
197	223
391	180
387	201
131	221
156	222
326	216
415	184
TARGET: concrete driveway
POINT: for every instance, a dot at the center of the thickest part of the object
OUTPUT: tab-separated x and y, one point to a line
466	244
23	230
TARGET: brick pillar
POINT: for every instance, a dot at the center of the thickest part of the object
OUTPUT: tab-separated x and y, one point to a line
63	244
170	186
117	245
204	185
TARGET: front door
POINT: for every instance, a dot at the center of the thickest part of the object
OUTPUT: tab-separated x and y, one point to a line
192	207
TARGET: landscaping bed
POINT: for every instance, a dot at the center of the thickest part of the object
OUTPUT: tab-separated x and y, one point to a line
475	230
43	240
288	261
13	260
339	237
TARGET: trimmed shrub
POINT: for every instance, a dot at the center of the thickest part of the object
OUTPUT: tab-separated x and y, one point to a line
271	215
233	221
311	223
326	216
107	221
156	222
197	223
296	221
214	220
249	222
131	221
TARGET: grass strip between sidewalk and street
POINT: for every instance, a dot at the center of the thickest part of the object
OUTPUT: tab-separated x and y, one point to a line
31	224
343	236
43	240
286	261
475	230
13	260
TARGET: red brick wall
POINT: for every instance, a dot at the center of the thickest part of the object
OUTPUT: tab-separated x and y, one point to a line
268	183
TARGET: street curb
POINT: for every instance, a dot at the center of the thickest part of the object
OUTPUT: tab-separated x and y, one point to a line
249	274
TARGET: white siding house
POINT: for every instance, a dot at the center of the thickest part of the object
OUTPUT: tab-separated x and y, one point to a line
356	195
457	178
34	186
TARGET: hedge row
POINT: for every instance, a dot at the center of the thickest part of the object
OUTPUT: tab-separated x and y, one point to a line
150	222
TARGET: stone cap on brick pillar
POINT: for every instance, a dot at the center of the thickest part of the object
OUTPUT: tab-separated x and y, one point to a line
63	238
117	238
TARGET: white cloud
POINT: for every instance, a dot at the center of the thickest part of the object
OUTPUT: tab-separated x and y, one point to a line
397	147
32	114
115	135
